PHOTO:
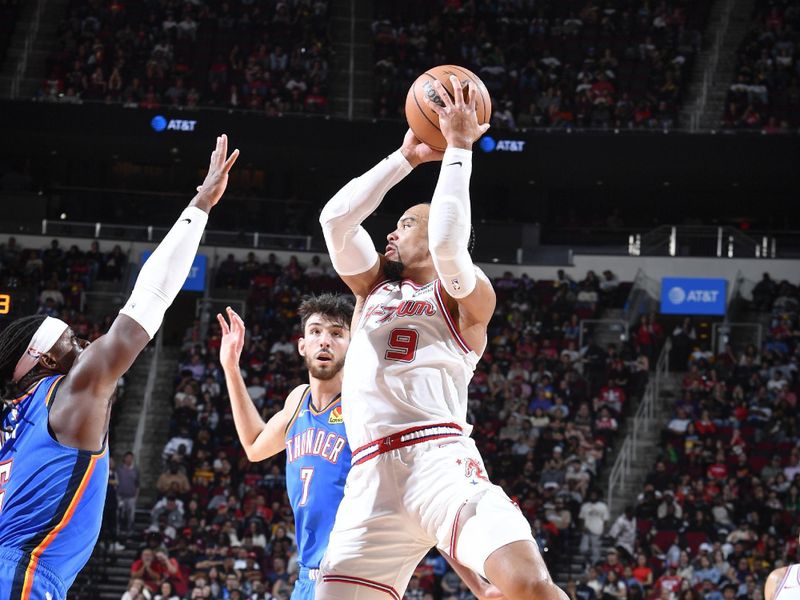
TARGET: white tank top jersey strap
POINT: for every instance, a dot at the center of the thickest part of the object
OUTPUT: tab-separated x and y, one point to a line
407	364
789	587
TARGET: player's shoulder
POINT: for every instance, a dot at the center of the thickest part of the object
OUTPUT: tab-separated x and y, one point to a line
295	396
773	582
777	574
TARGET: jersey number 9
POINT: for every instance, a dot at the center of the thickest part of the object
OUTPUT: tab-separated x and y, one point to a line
402	345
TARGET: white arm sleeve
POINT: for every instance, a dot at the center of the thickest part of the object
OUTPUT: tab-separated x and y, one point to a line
450	223
162	276
350	247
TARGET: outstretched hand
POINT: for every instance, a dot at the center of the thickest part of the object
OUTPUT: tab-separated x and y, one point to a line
213	186
230	350
458	119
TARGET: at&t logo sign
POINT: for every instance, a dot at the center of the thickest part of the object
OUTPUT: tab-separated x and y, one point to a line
677	295
489	144
160	123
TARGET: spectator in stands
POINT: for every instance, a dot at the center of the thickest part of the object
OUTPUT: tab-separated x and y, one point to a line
114	264
173	480
624	532
149	569
171	508
593	515
127	492
137	590
51	295
315	269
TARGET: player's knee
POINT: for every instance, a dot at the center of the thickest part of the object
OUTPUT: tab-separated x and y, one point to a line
489	521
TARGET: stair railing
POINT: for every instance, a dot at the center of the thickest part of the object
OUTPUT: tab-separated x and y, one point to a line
643	422
710	73
148	395
30	39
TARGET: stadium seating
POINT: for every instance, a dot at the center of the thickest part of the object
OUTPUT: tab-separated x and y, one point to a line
159	54
558	64
729	465
763	96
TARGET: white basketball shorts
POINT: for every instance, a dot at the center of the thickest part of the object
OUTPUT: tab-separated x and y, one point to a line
398	503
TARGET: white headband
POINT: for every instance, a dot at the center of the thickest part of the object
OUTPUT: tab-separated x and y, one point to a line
42	341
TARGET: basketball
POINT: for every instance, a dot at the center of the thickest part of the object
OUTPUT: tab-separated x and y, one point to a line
423	121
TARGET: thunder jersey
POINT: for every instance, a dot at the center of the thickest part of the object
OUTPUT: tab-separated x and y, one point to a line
51	499
789	588
406	365
317	463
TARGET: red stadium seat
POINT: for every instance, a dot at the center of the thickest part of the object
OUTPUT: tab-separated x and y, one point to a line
664	539
694	539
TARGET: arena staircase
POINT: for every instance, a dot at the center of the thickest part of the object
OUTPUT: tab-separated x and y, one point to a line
25	62
628	463
715	67
351	92
106	575
156	425
105	298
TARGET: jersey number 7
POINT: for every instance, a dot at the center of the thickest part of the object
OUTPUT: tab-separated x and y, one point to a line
306	473
5	475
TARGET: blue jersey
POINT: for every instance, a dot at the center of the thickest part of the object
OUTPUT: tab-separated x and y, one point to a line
51	501
317	463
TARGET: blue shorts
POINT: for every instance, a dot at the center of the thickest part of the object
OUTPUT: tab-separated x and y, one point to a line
305	584
39	584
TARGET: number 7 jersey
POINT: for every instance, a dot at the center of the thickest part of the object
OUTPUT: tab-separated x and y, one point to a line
317	463
407	364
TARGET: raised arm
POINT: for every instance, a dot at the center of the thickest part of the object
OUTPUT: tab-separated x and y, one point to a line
79	417
352	252
450	221
260	440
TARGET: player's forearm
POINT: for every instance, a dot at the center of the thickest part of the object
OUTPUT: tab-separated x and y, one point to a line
162	276
248	422
450	224
350	247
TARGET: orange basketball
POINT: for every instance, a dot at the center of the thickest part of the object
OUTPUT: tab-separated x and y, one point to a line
422	120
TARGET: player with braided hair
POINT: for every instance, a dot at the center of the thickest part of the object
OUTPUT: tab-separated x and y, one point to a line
56	391
13	342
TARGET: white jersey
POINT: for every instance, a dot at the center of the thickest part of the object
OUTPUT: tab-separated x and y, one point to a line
407	364
789	588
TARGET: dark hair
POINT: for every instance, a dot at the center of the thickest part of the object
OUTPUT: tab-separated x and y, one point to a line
14	341
335	307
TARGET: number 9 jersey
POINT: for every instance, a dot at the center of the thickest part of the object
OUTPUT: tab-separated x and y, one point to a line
317	463
407	364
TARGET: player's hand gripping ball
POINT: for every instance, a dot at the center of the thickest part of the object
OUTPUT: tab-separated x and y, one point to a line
424	122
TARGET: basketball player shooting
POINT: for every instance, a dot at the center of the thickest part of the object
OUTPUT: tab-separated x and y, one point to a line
56	392
310	428
422	311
